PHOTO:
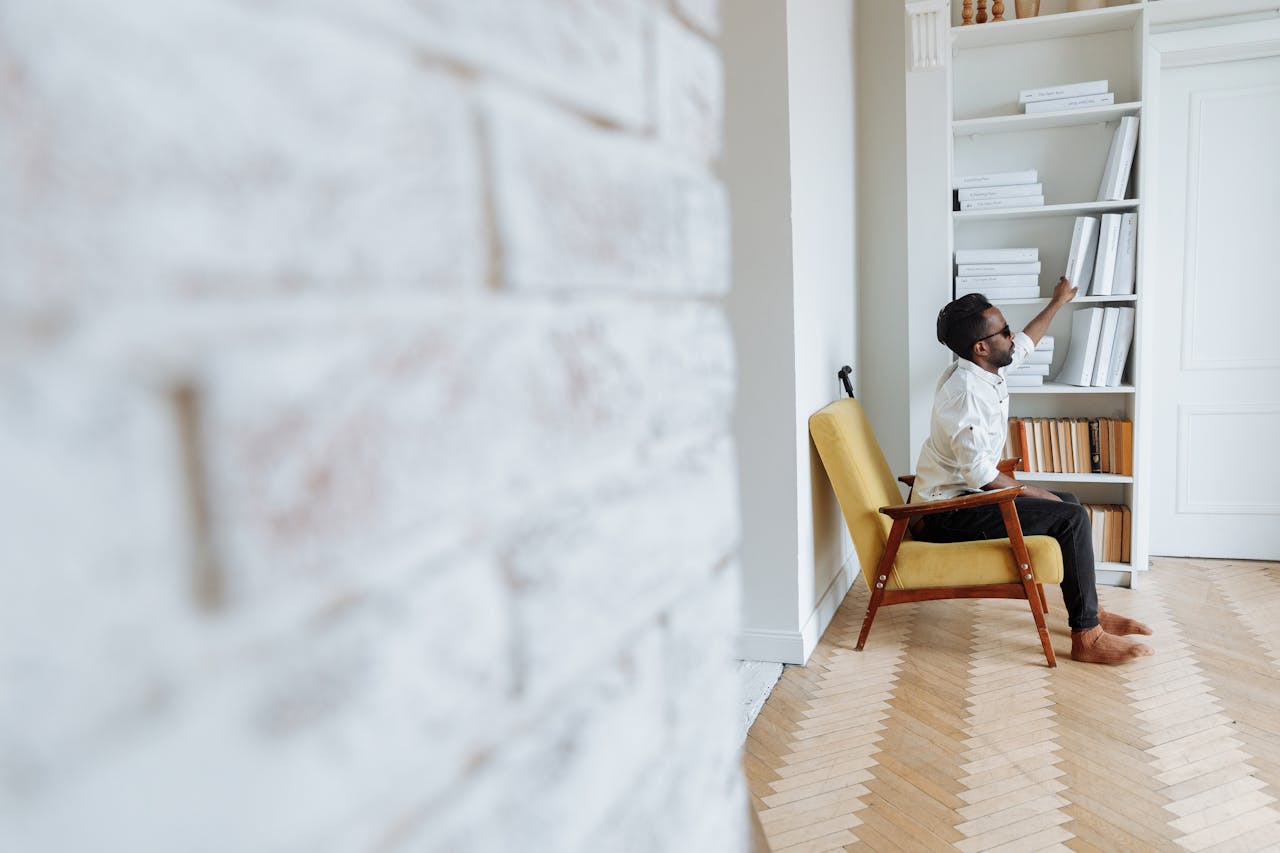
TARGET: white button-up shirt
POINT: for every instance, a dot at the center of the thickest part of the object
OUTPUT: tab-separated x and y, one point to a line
968	429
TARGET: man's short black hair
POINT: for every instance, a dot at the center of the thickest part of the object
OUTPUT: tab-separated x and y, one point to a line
960	323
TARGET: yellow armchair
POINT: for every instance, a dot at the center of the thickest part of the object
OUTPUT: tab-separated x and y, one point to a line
897	568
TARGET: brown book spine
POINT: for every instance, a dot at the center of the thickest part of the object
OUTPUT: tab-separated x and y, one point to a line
1105	427
1095	447
1126	534
1126	447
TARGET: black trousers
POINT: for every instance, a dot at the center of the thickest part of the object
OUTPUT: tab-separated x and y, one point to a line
1064	520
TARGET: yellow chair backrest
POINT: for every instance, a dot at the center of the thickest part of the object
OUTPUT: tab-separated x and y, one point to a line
859	474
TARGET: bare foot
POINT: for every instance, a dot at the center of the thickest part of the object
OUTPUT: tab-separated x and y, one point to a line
1119	626
1097	646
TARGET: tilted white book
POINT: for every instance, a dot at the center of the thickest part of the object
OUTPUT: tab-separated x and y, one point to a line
1086	326
1062	90
1011	191
997	179
1040	356
1045	342
1056	105
1115	175
1104	265
997	281
1003	203
997	256
1126	255
1084	246
1120	352
1106	342
999	269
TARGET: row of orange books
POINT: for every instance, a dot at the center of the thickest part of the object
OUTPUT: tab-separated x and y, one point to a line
1111	532
1072	445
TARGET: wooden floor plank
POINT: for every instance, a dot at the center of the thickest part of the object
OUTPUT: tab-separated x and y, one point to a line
947	733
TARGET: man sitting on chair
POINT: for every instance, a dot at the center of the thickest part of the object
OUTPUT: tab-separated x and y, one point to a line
967	434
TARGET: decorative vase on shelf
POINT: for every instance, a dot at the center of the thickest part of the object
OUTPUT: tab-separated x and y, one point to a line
1081	5
1026	8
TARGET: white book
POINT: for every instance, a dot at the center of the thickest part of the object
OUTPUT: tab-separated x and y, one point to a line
1013	191
1106	342
1003	203
1126	255
1022	380
997	282
996	179
1086	325
1029	291
1115	176
1046	342
1084	245
1040	356
1030	369
1062	90
999	269
997	256
1120	352
1104	265
1055	105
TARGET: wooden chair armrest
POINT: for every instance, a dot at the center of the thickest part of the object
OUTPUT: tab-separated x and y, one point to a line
907	479
964	502
1008	466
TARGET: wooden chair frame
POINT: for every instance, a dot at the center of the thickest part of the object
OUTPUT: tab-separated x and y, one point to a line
1025	587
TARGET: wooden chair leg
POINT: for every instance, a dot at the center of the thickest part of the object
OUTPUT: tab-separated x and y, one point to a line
1044	602
1022	561
883	572
872	607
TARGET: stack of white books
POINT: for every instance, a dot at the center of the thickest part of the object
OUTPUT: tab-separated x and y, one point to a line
1099	351
1000	190
1066	96
1034	368
998	274
1100	261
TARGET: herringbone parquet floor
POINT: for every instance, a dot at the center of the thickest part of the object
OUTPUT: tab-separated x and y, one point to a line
949	732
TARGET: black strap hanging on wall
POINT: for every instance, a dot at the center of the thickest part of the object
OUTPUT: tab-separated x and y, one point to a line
844	379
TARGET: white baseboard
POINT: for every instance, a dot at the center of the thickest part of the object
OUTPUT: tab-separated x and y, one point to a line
796	646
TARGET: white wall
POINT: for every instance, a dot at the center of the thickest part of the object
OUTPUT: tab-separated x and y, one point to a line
365	395
905	280
823	188
757	171
789	166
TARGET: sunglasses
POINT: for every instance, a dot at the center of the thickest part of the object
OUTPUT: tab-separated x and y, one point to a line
1002	332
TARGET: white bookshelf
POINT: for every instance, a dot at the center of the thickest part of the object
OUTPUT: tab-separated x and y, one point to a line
1049	477
1060	388
990	63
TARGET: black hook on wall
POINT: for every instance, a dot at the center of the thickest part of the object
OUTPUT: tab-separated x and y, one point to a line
844	379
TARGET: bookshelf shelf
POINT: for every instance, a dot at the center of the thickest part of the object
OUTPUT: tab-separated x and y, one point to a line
1079	300
1063	25
1055	388
1046	477
1042	121
1049	210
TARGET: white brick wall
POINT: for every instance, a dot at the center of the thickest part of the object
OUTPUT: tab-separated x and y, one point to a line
439	551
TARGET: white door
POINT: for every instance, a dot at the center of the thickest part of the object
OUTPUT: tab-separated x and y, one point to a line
1213	293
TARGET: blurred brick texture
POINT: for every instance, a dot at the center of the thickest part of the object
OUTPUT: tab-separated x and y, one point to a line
366	480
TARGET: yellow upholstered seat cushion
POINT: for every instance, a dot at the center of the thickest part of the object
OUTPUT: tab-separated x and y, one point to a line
925	564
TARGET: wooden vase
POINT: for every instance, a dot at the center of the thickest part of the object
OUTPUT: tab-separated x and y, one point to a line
1026	8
